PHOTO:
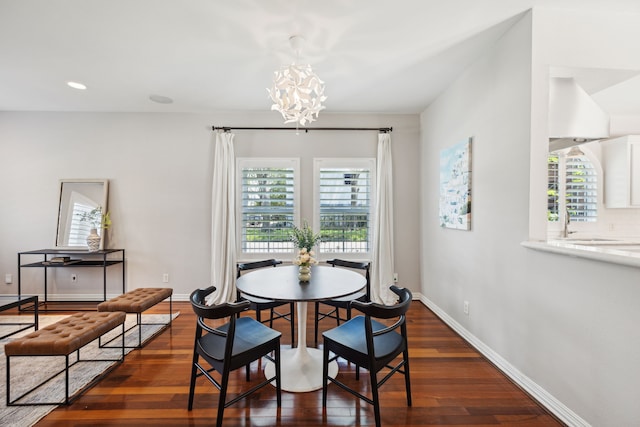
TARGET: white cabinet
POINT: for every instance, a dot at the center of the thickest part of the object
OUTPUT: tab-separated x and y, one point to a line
621	166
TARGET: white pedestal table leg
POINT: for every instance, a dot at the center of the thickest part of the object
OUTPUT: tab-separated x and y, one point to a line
301	367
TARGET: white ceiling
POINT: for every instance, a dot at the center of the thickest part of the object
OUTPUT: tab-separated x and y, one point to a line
219	55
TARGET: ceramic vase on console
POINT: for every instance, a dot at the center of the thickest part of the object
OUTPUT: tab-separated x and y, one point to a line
93	240
304	273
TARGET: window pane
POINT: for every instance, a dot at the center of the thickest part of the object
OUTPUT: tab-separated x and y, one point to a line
267	209
345	209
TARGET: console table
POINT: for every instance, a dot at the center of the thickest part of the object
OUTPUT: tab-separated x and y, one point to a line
79	259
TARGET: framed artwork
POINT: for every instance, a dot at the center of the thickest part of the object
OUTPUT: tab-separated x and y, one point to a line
455	186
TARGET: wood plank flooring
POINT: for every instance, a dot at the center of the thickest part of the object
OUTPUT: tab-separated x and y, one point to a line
452	384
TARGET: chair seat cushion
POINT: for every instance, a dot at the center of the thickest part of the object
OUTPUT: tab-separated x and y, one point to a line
249	334
137	300
351	335
66	335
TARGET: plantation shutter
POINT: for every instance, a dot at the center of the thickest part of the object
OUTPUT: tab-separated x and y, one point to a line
581	189
552	187
267	208
345	204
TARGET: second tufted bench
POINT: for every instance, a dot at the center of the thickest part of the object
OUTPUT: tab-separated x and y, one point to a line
137	301
63	338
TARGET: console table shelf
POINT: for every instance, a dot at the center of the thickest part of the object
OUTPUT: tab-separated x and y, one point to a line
78	259
80	263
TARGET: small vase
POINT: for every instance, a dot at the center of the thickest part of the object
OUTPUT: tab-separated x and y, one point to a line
93	240
304	273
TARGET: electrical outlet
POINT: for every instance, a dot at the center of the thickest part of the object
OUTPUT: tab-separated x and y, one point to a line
74	278
8	278
165	278
466	308
395	277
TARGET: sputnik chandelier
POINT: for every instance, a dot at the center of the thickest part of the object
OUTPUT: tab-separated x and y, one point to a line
297	92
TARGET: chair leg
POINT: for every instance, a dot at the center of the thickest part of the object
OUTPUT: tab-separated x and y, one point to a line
349	318
292	326
223	396
325	374
407	379
279	377
374	397
271	318
317	304
192	384
247	372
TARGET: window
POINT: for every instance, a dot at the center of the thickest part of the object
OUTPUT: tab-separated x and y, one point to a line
268	204
344	204
572	185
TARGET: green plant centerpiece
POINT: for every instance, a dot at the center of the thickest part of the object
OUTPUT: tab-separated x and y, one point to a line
304	240
97	220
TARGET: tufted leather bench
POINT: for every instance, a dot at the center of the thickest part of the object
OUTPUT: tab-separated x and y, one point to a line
137	301
62	339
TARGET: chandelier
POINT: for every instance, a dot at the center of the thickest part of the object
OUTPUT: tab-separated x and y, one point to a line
297	92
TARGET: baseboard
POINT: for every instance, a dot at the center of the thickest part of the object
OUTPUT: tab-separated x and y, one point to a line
538	393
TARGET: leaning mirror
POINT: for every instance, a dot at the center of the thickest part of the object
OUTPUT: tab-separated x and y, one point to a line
81	205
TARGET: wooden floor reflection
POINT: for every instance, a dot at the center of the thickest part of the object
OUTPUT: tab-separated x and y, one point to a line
452	384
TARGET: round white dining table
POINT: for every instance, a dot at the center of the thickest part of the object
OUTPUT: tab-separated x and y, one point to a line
301	367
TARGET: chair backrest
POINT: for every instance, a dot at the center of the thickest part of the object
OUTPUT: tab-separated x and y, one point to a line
219	311
244	266
366	266
381	311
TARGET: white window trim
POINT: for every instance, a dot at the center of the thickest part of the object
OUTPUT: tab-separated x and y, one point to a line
344	162
261	162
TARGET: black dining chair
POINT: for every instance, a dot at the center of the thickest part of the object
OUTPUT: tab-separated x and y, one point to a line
372	345
233	345
344	302
259	304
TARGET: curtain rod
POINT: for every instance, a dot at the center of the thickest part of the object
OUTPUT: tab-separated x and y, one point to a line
229	128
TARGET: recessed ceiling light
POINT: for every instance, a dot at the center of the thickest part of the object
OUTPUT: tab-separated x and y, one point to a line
76	85
161	99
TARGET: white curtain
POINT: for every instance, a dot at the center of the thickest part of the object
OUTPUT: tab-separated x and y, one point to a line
223	221
382	266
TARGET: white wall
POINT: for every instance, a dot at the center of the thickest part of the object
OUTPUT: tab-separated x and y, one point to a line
160	168
565	328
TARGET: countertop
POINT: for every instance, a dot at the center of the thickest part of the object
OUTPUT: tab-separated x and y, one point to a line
616	251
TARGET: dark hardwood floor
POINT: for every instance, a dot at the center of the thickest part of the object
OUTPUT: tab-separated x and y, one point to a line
452	384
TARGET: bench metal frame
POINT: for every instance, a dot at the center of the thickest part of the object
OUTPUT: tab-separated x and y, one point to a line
139	325
67	399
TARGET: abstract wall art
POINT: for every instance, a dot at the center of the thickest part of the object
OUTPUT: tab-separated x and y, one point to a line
455	186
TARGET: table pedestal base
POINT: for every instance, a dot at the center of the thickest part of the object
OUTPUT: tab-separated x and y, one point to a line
301	369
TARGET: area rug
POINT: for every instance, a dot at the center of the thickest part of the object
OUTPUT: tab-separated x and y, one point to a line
29	371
